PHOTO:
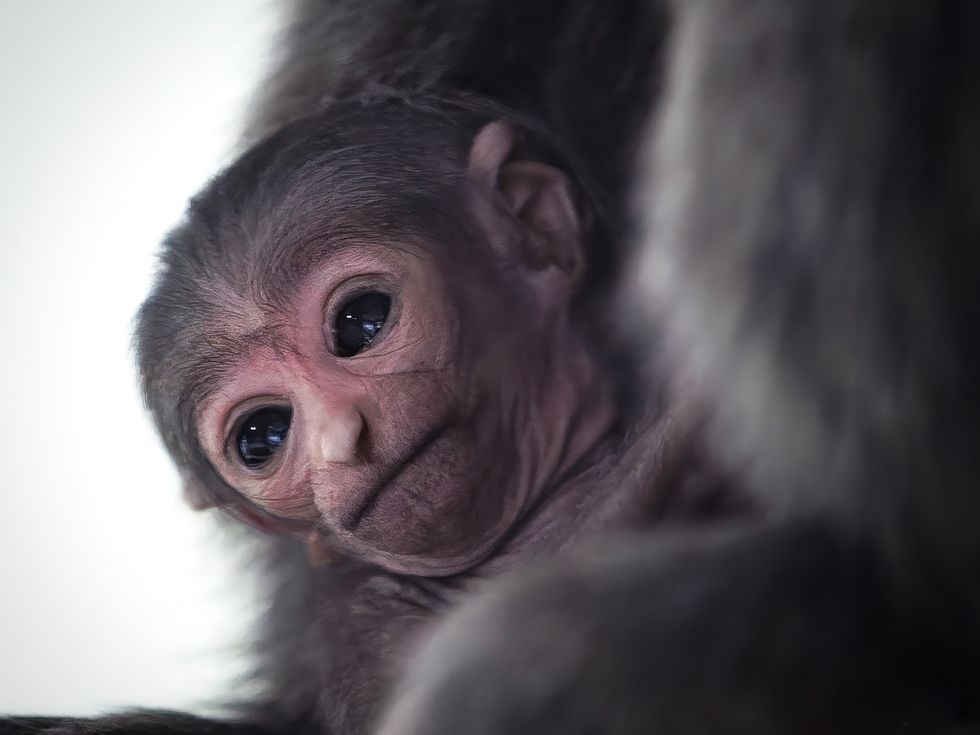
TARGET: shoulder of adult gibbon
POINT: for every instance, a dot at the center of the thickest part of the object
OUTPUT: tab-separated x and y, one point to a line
589	71
811	213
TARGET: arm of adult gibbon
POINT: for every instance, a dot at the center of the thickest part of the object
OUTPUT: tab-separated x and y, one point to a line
148	722
812	257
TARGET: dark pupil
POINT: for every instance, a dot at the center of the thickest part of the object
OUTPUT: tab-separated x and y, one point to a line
359	322
262	434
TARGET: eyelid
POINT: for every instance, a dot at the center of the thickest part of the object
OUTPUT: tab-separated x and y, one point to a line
350	287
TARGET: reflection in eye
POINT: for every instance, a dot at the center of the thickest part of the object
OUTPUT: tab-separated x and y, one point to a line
261	435
359	322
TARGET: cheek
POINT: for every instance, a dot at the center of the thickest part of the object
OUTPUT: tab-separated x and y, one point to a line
407	407
449	501
458	495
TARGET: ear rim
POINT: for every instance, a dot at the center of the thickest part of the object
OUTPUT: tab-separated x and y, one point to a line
519	188
492	146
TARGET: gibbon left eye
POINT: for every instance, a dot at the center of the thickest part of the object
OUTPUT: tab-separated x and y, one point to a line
261	435
359	322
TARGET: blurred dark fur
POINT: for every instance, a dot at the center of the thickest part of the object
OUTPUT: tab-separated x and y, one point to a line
810	258
587	70
810	208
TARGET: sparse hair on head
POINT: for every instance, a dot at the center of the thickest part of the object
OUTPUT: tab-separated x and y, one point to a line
375	168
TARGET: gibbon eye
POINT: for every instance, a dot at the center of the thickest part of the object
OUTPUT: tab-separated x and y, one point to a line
359	322
261	434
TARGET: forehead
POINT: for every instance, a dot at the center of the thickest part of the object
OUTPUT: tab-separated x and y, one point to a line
284	236
289	211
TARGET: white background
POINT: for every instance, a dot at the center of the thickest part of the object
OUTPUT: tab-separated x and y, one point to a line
112	113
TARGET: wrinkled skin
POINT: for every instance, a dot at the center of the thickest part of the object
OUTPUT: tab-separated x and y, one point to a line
477	396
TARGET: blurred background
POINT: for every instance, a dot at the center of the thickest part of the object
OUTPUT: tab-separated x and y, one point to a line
112	592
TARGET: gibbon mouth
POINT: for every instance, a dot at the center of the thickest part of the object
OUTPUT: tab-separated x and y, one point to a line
389	477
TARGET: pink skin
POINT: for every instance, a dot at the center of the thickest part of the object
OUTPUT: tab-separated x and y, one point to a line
424	452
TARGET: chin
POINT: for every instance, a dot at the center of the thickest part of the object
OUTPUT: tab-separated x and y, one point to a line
437	516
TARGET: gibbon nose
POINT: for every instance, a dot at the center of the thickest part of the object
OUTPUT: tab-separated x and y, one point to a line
335	433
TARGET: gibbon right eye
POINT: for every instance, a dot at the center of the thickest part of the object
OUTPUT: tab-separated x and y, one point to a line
359	322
